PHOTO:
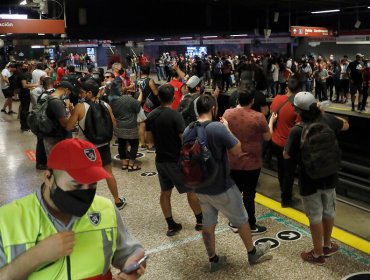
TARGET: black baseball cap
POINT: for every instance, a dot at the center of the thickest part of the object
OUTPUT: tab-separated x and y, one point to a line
65	84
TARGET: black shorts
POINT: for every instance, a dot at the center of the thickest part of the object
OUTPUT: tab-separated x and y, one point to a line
105	154
170	176
8	92
354	87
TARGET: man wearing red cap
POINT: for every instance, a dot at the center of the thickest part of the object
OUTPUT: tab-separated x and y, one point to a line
64	230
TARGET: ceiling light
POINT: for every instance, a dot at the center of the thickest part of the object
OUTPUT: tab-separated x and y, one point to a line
184	38
2	35
24	2
37	47
40	34
13	16
206	37
326	11
239	35
164	39
150	39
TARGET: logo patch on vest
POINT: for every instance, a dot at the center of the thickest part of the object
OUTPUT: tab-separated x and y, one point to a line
94	218
90	154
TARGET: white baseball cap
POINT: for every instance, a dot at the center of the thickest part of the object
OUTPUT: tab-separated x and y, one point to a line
303	100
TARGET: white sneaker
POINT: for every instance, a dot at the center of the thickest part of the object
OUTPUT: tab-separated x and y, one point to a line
261	249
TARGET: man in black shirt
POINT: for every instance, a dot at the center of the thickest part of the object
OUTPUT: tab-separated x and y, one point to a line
354	70
24	95
166	126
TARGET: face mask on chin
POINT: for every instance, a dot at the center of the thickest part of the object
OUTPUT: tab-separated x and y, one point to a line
75	202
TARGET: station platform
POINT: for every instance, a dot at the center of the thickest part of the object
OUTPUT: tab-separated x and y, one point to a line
183	256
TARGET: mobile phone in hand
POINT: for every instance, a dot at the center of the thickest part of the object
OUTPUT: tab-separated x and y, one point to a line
135	266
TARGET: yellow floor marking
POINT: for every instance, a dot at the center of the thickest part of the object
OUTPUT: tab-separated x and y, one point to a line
339	234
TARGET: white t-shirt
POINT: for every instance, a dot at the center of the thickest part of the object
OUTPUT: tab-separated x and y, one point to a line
37	74
5	73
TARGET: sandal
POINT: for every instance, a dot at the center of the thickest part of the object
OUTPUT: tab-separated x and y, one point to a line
125	164
133	167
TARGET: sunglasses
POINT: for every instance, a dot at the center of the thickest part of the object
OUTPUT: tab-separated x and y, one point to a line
107	77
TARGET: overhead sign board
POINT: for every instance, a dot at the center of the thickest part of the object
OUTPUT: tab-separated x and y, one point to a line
309	31
28	26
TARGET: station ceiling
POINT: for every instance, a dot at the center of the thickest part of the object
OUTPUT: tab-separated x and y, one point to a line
134	20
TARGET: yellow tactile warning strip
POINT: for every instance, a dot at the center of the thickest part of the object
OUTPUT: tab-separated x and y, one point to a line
339	234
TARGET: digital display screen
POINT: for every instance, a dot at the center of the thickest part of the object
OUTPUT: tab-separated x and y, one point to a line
193	51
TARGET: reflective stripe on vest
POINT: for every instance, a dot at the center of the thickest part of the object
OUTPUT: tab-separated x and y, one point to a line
23	223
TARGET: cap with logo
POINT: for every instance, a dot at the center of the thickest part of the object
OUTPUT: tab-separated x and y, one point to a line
193	82
303	100
80	159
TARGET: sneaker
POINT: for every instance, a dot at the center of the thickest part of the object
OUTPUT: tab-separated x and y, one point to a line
143	148
261	249
331	251
256	230
4	111
198	227
150	150
289	203
11	112
214	266
233	228
122	203
174	230
309	257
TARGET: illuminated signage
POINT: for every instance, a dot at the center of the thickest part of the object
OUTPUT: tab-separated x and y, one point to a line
27	26
309	31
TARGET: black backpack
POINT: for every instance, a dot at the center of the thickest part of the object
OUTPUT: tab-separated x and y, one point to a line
98	123
38	121
320	152
196	162
187	108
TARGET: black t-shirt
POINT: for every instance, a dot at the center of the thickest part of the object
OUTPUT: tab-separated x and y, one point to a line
356	71
166	126
56	110
307	185
27	77
259	100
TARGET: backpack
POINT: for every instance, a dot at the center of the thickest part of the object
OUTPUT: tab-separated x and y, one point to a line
196	162
320	152
187	108
38	121
218	68
98	123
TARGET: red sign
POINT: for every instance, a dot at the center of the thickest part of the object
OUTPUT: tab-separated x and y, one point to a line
309	31
26	26
31	155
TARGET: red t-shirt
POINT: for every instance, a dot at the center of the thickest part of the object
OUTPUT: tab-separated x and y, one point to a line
60	73
177	95
248	126
286	120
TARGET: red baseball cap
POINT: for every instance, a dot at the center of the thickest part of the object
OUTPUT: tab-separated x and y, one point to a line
80	159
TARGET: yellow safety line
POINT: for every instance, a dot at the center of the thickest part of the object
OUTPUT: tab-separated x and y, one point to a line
339	234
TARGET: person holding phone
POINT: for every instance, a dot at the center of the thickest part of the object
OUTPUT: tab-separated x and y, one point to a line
64	230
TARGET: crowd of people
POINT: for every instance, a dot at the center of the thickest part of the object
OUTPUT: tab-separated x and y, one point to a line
156	119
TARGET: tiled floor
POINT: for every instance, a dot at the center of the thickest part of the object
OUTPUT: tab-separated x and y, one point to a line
183	256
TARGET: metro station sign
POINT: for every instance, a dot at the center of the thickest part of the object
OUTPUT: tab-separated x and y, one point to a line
309	31
29	26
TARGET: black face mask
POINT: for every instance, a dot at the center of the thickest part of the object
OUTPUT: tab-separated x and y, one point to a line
121	71
24	69
75	202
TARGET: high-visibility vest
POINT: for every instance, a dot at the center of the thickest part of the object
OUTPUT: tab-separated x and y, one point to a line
24	223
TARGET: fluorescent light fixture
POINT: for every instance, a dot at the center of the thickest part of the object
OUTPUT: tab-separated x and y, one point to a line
326	11
185	38
164	39
353	43
239	35
149	39
9	33
2	35
40	34
13	16
37	47
24	2
207	37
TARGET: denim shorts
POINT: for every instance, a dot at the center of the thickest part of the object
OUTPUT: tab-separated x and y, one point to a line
229	203
320	205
